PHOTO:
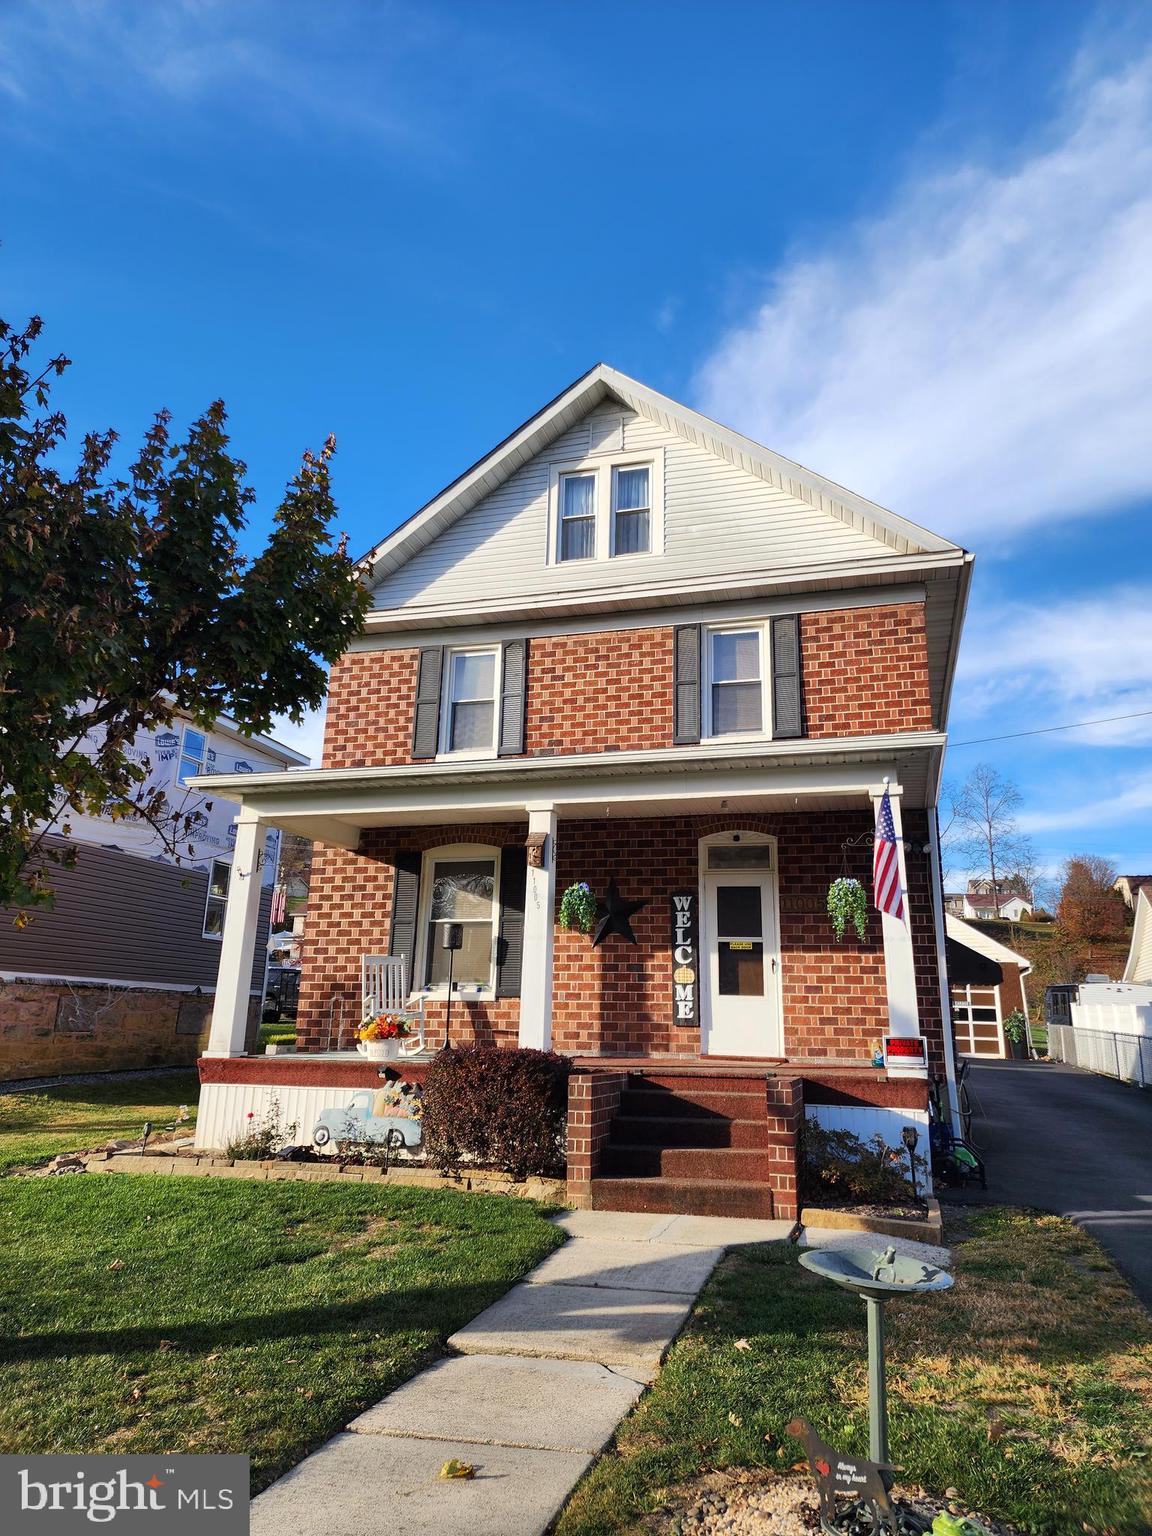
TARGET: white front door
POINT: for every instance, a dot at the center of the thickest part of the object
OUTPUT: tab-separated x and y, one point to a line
741	965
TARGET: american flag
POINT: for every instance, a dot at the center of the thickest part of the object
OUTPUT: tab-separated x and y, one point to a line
886	864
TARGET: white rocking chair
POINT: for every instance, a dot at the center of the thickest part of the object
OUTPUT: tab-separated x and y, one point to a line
383	990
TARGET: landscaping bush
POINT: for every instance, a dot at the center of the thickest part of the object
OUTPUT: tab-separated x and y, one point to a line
837	1167
496	1109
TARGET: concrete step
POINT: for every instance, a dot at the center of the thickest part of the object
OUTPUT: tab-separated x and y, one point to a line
683	1197
693	1103
684	1131
640	1162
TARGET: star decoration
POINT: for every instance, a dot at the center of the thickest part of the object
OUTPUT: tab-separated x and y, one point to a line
615	915
155	1482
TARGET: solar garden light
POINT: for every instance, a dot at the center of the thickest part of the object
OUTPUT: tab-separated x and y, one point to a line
910	1136
451	939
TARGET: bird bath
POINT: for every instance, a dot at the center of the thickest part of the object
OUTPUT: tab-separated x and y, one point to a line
876	1276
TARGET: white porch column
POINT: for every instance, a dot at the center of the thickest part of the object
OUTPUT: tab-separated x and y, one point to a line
238	945
539	922
899	966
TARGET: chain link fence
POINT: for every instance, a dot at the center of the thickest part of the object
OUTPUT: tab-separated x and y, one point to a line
1126	1057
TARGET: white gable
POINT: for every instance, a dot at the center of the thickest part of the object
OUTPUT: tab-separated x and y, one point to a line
720	518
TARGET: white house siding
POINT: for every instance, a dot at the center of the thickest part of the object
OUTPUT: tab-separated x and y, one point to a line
719	519
867	1121
224	1108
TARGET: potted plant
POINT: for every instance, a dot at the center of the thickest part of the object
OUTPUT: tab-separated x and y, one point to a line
847	903
1016	1034
578	908
381	1034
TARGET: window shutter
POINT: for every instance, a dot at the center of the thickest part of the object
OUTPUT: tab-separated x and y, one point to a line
510	944
426	724
686	682
405	905
787	689
513	697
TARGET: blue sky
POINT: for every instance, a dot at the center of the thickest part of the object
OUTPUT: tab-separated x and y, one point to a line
907	244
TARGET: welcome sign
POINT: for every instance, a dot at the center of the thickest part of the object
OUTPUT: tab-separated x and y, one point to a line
685	961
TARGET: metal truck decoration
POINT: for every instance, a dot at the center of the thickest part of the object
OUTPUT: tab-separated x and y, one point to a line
390	1114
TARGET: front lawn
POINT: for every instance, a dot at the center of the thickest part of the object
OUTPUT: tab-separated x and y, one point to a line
148	1314
1028	1387
35	1125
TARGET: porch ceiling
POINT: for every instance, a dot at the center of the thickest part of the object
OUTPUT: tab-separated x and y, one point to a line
334	805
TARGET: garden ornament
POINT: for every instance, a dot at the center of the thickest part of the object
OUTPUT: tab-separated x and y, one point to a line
615	915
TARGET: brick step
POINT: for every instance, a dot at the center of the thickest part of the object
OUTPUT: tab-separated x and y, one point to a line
694	1103
712	1082
683	1197
723	1163
682	1131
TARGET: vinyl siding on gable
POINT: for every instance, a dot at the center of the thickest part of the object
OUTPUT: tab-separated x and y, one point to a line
719	519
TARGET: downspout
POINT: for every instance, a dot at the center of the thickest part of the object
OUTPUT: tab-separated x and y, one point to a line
942	965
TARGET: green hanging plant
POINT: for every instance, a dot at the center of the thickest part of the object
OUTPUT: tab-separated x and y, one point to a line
847	903
578	908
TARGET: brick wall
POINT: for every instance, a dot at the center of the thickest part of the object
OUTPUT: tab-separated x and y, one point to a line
50	1028
617	999
866	670
785	1111
350	915
593	1099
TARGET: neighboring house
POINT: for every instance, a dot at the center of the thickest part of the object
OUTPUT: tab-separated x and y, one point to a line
632	648
1139	966
986	981
121	971
977	901
1129	886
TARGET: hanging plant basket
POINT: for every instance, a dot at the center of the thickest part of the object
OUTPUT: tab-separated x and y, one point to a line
578	908
847	903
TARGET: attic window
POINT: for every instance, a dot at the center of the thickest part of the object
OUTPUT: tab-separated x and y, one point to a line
578	517
605	508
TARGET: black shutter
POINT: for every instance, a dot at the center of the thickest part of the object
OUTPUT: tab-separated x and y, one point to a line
405	905
513	697
426	723
510	944
686	683
787	688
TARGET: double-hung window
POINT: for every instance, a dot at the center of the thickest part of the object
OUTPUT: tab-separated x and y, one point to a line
734	664
631	510
468	719
217	902
193	753
462	889
577	517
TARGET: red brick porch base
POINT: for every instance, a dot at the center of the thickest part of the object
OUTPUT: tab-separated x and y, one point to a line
593	1100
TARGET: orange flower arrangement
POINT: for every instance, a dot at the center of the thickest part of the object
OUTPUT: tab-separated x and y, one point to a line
385	1026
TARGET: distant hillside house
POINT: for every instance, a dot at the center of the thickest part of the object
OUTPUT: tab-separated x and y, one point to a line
979	902
1129	886
121	972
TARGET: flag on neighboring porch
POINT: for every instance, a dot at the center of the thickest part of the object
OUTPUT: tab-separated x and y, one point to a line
886	864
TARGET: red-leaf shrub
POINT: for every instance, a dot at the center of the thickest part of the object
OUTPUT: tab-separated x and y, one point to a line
498	1109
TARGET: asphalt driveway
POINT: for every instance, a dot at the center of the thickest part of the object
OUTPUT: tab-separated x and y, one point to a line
1074	1143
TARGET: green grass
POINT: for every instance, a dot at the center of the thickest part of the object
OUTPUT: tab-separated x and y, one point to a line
254	1318
35	1126
1040	1333
277	1032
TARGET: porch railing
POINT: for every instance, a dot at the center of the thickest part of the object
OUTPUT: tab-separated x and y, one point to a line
1125	1057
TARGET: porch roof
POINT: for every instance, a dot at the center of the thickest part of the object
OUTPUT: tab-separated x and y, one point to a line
334	805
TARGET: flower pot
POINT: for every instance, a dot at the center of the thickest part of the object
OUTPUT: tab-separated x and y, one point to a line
379	1050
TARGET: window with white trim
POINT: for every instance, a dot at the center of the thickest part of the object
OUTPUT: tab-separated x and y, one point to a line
631	509
606	507
734	695
577	517
469	717
216	904
459	885
193	754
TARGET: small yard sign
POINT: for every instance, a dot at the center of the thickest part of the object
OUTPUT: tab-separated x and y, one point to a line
906	1054
685	967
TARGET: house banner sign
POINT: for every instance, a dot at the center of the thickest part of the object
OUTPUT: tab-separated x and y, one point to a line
685	960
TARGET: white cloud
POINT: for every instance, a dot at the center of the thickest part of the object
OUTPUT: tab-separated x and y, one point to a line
979	354
1132	801
1053	663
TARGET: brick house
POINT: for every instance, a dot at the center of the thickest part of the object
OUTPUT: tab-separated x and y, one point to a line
669	662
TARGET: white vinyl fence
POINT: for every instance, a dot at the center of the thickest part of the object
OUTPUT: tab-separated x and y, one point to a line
1127	1057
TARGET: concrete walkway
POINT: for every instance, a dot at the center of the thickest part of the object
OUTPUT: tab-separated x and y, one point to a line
1070	1142
539	1383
